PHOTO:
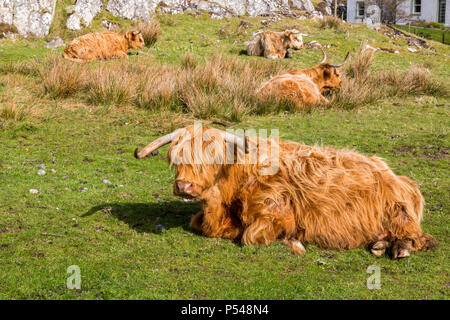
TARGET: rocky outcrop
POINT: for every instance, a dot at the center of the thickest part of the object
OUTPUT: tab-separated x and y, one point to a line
131	9
84	10
30	17
35	16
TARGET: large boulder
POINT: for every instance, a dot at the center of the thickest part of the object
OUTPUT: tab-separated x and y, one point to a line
30	17
84	10
132	9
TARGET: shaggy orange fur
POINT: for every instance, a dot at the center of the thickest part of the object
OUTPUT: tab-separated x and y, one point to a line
336	199
303	87
103	46
274	45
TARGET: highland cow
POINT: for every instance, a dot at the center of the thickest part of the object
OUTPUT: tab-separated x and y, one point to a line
304	87
274	45
103	46
335	199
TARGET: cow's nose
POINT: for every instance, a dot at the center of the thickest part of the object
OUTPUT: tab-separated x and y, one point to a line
183	187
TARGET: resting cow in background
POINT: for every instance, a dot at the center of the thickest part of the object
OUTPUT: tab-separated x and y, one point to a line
103	46
336	199
274	45
304	87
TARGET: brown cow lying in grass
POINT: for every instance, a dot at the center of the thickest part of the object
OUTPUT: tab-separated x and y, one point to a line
304	87
103	46
336	199
274	45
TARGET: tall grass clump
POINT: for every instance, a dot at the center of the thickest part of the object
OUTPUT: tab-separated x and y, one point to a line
111	84
62	78
150	32
157	89
360	86
331	22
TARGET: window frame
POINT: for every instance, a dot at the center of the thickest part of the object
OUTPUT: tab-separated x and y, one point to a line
358	8
414	6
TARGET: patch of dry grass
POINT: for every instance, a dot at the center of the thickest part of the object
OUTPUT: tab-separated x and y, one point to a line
221	86
61	78
331	22
150	31
360	86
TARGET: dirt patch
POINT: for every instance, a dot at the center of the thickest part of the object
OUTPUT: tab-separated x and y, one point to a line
428	151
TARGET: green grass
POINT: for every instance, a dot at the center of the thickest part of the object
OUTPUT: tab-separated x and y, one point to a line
109	231
428	33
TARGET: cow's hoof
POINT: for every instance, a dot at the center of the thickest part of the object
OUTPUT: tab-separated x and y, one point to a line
379	248
401	249
295	246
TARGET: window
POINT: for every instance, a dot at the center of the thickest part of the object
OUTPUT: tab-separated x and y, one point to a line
360	9
417	6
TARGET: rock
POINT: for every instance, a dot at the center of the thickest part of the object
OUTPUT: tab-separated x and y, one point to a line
106	181
412	49
52	170
42	166
110	26
321	262
34	191
84	189
217	12
324	8
160	227
55	43
308	6
41	172
84	10
131	9
30	17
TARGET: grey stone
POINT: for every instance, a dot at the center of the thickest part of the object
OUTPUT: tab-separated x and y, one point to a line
41	172
30	17
131	9
55	43
160	228
34	191
84	10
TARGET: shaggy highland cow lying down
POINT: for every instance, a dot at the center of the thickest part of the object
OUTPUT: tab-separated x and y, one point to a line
298	194
103	46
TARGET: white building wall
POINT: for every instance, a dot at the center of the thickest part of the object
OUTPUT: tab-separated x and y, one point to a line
429	11
447	13
351	11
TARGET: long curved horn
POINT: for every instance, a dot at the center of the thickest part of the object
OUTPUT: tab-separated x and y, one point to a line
342	63
324	56
156	144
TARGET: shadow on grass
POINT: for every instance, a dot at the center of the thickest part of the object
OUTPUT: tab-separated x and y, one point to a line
144	217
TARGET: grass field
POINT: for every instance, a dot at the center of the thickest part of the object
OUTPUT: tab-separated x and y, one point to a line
429	33
109	230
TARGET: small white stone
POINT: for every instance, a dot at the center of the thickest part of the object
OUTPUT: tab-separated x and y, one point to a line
34	191
106	181
41	172
42	166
